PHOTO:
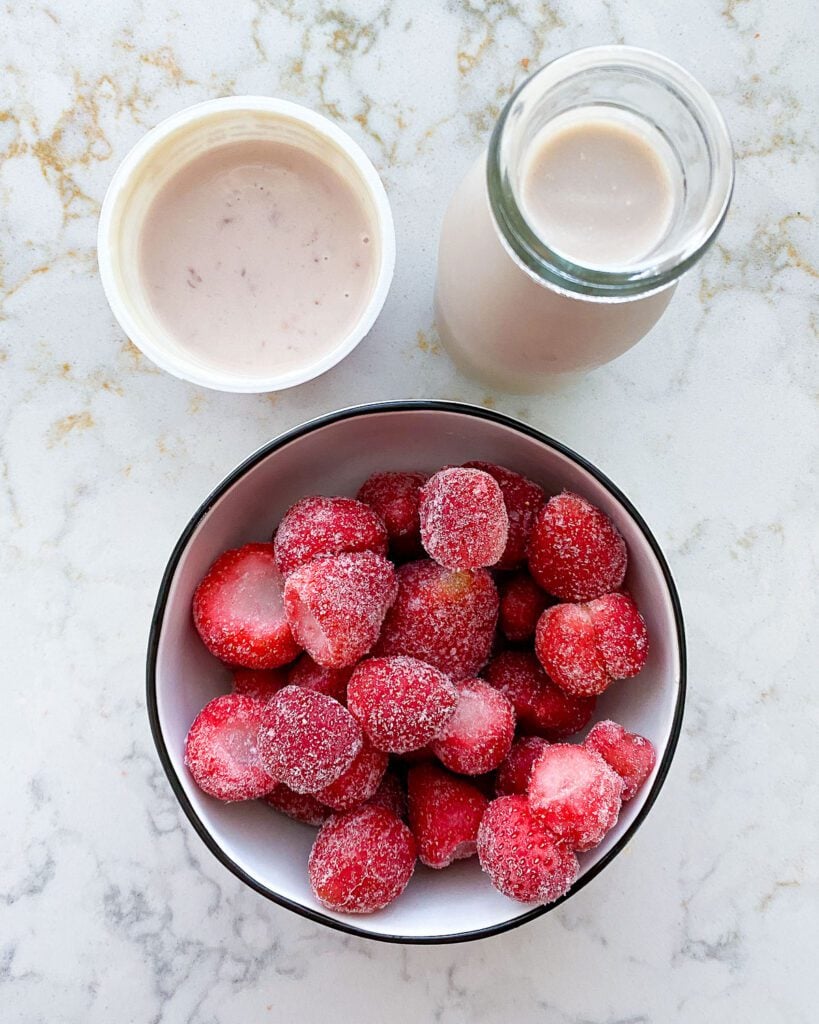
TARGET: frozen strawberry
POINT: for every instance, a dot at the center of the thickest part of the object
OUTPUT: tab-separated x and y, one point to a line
575	551
361	860
566	645
521	604
332	681
400	702
622	638
391	795
335	605
260	683
301	807
540	706
394	499
523	860
307	740
444	814
359	782
632	756
221	750
513	775
478	736
464	524
238	610
575	794
326	526
523	500
442	617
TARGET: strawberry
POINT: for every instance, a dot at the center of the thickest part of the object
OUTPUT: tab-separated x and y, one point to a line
575	551
335	605
361	860
464	523
326	526
239	612
522	858
523	500
479	734
541	707
400	702
575	794
444	815
632	756
394	498
221	749
442	617
306	739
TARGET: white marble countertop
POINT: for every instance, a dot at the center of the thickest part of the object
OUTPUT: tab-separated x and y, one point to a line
111	909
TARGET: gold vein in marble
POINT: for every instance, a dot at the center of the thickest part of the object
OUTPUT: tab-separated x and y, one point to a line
62	428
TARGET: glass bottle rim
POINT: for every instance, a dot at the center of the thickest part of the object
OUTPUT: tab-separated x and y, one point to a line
651	274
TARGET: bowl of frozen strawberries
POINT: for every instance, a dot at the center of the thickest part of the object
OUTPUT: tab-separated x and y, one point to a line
416	671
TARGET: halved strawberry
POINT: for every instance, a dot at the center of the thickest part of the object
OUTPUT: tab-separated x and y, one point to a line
221	749
336	605
239	612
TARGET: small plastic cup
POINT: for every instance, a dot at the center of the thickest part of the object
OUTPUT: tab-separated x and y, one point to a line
159	155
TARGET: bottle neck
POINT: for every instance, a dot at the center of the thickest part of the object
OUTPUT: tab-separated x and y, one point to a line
670	108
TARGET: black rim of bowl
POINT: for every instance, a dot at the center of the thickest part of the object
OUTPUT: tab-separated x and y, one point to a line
159	613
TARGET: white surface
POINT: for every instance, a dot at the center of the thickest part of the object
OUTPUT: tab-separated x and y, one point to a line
113	910
273	850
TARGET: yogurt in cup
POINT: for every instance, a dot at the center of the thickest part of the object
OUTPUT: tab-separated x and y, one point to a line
246	244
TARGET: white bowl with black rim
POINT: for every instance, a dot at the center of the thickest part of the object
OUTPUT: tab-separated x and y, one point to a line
333	455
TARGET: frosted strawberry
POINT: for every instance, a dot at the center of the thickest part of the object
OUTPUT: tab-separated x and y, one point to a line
523	860
523	500
238	610
326	526
514	774
400	702
444	814
632	756
575	794
585	647
332	681
566	645
335	605
479	734
464	524
394	498
540	706
521	604
306	739
359	782
259	683
575	551
622	637
221	749
301	807
442	617
361	861
392	795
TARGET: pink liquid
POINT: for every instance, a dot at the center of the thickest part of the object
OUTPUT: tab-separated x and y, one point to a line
258	257
597	192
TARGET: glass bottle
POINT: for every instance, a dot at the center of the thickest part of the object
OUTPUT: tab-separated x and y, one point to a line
513	309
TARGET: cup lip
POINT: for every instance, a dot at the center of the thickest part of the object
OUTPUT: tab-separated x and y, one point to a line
574	279
189	370
245	466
